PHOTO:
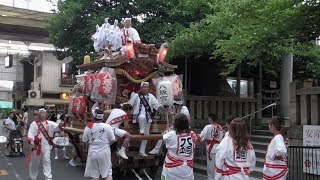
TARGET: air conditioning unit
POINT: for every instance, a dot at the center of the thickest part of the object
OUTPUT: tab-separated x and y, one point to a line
35	86
34	94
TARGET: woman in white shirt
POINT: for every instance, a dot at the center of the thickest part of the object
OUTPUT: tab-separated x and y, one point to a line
9	126
275	165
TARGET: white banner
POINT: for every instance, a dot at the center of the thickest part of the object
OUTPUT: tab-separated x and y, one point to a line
311	157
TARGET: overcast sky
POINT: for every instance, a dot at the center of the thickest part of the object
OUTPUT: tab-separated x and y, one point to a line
37	5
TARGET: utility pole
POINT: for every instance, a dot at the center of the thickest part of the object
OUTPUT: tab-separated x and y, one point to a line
238	80
285	80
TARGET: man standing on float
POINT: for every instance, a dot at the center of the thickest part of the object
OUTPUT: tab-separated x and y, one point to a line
130	33
143	104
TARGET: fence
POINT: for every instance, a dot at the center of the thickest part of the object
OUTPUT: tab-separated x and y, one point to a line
223	107
305	109
303	163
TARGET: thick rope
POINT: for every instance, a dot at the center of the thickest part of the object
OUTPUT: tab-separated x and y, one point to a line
137	81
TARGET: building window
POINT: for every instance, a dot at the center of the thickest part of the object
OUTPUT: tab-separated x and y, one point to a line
64	71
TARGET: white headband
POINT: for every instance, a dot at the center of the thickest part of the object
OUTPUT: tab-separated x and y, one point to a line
97	116
42	110
144	84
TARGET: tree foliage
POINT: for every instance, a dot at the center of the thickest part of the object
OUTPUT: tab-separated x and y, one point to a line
249	31
71	28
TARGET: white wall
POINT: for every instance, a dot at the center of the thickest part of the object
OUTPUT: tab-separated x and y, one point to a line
51	74
5	96
15	73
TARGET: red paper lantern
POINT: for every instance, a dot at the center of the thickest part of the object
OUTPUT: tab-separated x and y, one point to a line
130	50
88	83
79	105
105	87
162	53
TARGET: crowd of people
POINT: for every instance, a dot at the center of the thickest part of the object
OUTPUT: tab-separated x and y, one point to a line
230	155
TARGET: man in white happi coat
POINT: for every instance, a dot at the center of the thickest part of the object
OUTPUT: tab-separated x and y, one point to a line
40	138
143	104
130	33
99	135
9	126
178	107
115	119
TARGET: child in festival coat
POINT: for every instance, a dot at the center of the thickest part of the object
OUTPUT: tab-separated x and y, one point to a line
180	144
235	157
62	121
99	136
275	166
213	134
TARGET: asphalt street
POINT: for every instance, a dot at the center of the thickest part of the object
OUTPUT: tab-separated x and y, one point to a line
14	168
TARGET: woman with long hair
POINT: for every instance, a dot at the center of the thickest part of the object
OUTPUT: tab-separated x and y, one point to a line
180	144
235	157
275	166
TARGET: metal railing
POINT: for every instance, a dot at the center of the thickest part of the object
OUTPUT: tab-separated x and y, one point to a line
303	163
68	82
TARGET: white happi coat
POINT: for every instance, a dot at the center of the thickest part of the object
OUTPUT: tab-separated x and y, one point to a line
275	166
233	165
213	134
178	163
131	34
34	132
43	149
99	136
135	102
116	118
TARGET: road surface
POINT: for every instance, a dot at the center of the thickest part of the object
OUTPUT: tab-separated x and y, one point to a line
13	168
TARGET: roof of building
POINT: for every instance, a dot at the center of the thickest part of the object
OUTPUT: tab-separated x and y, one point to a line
5	89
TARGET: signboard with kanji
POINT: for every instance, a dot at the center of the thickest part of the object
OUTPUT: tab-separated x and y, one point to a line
311	157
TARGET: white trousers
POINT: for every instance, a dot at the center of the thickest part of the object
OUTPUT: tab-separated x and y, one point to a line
144	129
158	146
35	163
211	170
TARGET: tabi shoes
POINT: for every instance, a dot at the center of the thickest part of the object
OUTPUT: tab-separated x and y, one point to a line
122	153
153	152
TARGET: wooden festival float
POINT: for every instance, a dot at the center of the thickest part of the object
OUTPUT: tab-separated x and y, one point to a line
139	63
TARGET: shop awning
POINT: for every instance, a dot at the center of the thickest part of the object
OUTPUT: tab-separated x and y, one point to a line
5	104
54	101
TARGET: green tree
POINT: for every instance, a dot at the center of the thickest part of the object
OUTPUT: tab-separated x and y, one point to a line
71	28
249	31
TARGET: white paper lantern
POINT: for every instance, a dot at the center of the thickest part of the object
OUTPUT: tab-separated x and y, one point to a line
164	93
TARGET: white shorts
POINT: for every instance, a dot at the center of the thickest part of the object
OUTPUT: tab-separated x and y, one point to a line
119	132
99	163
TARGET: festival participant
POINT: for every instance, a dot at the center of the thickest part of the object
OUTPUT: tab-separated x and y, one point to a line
228	122
62	121
40	138
235	157
275	165
99	135
115	119
178	108
143	104
9	126
180	144
213	134
25	121
130	33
